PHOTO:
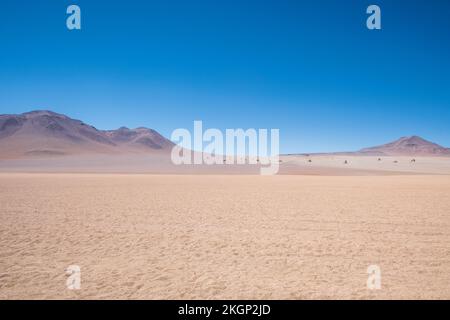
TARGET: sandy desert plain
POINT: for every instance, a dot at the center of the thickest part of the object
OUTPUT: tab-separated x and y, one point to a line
309	232
112	203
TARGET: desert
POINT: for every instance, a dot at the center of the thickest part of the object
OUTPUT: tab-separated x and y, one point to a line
141	236
111	203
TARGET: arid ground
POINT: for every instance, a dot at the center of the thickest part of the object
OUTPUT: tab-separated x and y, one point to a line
145	236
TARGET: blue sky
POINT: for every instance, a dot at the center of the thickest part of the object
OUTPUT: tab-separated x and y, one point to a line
310	68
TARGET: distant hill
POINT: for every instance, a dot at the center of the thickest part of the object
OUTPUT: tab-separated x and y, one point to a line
412	145
47	133
405	146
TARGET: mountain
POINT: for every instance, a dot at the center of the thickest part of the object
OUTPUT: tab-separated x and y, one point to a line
407	146
139	137
45	132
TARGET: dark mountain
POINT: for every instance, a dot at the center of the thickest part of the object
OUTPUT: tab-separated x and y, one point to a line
46	132
412	145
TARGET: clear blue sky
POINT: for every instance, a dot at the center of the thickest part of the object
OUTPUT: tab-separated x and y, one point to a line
310	68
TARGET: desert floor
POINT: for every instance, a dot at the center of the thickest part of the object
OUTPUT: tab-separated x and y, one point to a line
220	237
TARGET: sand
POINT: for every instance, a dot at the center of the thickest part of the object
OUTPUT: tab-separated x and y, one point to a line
138	236
365	165
154	163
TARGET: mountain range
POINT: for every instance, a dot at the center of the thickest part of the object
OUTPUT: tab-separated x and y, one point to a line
407	146
46	133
